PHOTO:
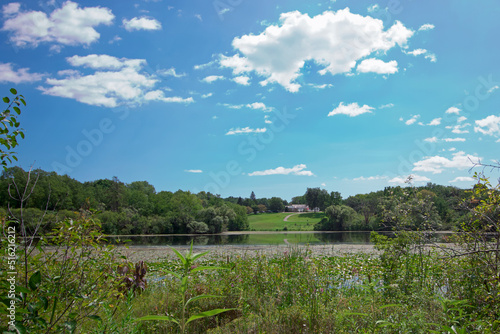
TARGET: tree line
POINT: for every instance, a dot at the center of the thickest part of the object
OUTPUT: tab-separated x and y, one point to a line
137	208
134	208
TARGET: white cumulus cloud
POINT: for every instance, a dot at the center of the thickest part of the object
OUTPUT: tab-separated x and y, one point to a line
105	62
488	126
242	80
412	120
334	40
116	81
453	110
141	23
295	170
259	105
435	121
378	66
438	164
68	25
352	109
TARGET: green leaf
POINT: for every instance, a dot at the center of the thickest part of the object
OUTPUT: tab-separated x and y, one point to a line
17	110
179	255
172	273
22	289
6	99
35	280
23	102
389	305
354	313
95	317
157	317
201	297
198	255
45	303
383	323
208	314
13	91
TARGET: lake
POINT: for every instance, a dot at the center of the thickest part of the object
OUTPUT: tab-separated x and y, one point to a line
255	238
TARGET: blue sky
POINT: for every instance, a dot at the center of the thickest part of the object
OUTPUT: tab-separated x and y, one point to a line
234	96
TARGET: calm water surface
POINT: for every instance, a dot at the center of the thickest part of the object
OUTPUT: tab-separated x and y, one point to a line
261	238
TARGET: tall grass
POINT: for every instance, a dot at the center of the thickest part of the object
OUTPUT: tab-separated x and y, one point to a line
401	291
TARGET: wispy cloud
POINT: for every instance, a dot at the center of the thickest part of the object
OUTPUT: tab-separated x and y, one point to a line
426	26
462	179
414	178
212	78
351	110
370	178
171	72
193	171
8	74
295	170
246	130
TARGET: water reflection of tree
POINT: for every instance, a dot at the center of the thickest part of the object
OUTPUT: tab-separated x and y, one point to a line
240	239
199	240
344	237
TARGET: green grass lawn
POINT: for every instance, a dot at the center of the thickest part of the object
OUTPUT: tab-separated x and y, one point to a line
274	221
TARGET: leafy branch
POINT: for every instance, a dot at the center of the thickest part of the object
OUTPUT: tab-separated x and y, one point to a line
10	127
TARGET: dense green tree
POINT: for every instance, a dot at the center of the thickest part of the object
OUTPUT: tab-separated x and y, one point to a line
140	196
338	218
364	204
197	227
276	204
313	197
335	198
299	200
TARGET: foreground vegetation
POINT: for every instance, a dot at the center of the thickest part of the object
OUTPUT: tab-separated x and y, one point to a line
71	281
74	282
